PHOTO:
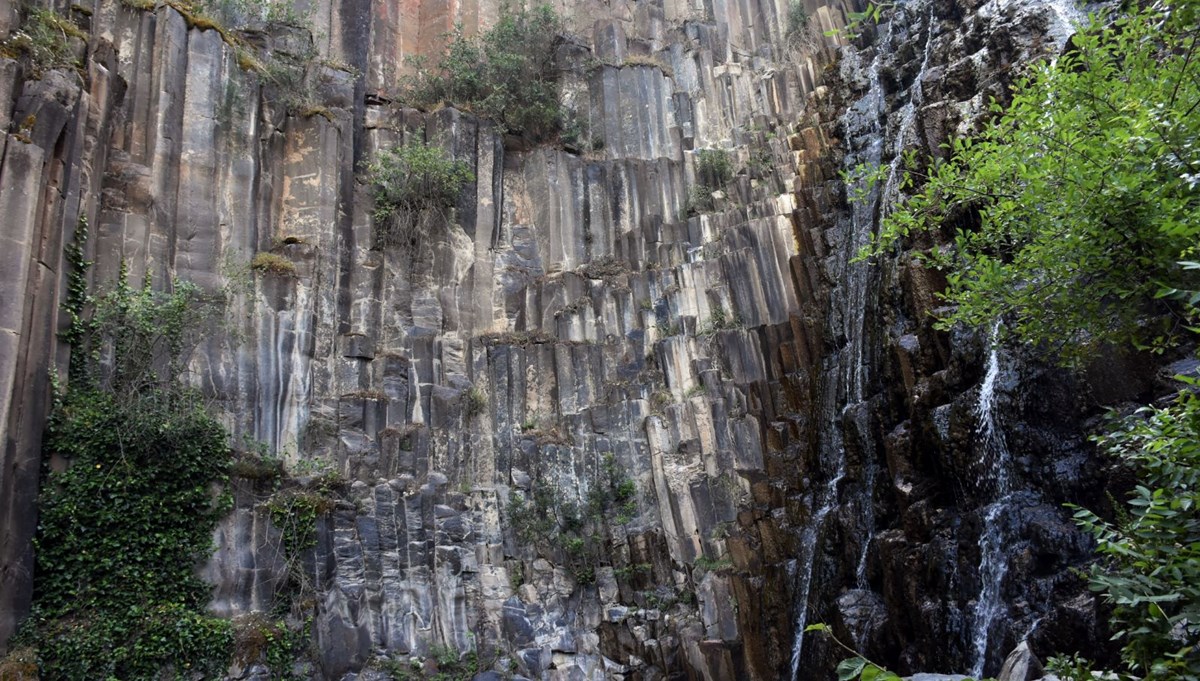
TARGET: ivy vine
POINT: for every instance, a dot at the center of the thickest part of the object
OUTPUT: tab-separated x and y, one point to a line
133	478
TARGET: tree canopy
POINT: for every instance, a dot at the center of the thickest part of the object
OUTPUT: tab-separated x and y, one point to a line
1068	215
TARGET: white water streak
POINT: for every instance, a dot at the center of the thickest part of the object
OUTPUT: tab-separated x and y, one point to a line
992	555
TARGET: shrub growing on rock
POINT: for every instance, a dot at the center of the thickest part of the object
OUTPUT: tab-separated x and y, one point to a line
1071	209
412	181
1150	566
45	39
714	170
508	74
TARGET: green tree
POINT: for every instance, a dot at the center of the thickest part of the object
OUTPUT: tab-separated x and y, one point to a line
1150	567
1070	210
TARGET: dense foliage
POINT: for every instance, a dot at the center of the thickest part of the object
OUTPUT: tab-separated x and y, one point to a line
1150	570
1075	217
1070	210
120	533
128	515
410	182
508	74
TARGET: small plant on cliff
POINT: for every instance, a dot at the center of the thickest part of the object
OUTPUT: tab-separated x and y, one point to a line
508	74
1071	209
271	263
124	525
797	19
44	38
411	182
799	33
714	167
714	170
475	401
544	519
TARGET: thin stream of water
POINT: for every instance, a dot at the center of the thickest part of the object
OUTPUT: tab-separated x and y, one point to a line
908	118
849	374
992	542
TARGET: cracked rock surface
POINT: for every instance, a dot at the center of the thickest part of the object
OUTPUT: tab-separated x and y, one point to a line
802	445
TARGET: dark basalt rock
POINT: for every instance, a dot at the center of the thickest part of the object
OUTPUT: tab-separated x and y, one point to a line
784	412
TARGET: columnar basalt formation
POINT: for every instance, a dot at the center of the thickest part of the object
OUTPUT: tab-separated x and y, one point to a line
802	443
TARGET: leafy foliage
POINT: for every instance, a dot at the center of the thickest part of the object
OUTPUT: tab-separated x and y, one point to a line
714	170
1084	191
508	74
123	526
546	520
1151	566
411	181
135	339
856	667
44	38
258	638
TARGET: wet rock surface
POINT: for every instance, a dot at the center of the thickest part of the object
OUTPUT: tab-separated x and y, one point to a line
803	444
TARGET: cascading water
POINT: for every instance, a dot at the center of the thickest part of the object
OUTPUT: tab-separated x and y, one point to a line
995	446
804	573
885	201
848	493
848	378
992	542
418	414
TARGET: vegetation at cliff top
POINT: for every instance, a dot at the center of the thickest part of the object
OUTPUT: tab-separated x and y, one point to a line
239	13
1069	212
508	74
44	38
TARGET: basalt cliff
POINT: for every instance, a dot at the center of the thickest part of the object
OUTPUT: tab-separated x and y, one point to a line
802	445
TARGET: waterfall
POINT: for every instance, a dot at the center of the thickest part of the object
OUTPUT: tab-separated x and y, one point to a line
993	560
994	444
418	414
808	544
848	375
885	199
857	282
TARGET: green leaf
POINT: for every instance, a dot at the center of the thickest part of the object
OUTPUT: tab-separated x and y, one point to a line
850	668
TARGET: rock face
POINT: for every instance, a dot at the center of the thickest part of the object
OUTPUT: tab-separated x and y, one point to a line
804	446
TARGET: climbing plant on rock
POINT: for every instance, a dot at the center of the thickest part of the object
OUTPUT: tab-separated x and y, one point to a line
130	499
